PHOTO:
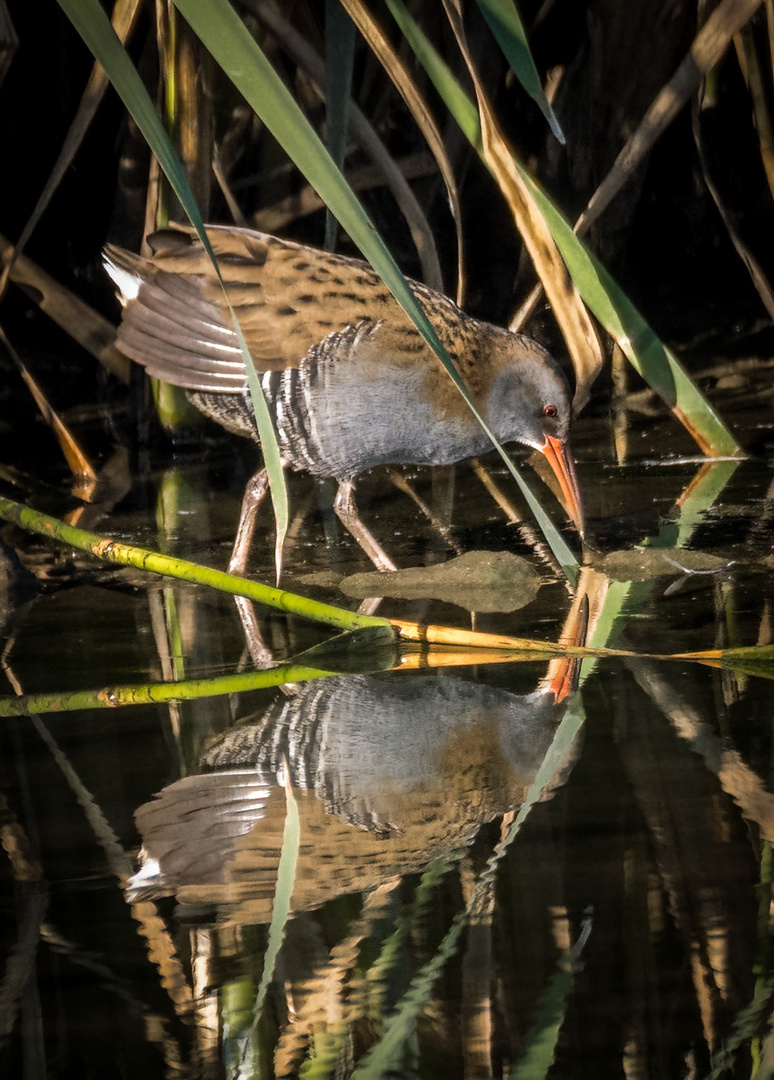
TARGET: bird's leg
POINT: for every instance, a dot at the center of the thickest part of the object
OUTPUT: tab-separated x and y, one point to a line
402	484
344	505
255	493
486	479
369	606
260	654
443	480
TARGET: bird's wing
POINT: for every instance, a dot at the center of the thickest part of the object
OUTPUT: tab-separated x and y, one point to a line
287	297
170	328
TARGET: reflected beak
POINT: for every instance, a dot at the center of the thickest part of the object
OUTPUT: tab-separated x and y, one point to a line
564	671
557	455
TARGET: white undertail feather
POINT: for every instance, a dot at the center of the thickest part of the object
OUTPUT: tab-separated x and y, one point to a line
128	284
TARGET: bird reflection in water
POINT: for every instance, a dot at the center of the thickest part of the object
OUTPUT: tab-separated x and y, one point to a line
389	773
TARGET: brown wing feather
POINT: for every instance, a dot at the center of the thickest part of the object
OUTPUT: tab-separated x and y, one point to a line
285	296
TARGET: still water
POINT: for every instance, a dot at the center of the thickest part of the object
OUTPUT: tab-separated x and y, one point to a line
493	877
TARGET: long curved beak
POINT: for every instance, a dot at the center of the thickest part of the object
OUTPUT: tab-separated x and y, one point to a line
558	457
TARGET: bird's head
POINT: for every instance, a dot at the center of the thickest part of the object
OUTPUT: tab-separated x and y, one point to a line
529	402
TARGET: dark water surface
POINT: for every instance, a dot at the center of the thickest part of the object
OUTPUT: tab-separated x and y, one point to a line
489	882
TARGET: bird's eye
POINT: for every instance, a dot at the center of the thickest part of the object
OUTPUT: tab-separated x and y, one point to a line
549	410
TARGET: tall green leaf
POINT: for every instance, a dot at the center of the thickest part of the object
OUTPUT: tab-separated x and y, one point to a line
506	25
339	61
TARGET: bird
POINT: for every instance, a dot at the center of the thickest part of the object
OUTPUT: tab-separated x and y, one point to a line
349	380
389	772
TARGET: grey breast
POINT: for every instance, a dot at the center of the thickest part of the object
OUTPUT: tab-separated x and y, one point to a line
348	407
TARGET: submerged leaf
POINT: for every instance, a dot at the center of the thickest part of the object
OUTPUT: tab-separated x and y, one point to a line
477	580
643	564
